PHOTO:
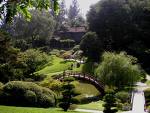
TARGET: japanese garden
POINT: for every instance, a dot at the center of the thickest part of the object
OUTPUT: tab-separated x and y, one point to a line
74	56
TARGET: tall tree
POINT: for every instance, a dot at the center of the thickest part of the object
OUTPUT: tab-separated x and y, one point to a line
73	12
91	46
37	32
61	17
123	25
118	70
8	59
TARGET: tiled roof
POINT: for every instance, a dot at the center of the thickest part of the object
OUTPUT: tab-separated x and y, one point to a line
77	29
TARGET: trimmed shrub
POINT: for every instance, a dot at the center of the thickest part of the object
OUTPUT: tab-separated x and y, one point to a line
20	93
73	107
31	97
126	107
86	100
123	96
38	77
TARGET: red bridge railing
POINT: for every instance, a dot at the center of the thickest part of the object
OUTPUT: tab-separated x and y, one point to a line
93	80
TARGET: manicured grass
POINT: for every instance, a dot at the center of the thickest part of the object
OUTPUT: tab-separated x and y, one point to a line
57	65
87	89
93	105
8	109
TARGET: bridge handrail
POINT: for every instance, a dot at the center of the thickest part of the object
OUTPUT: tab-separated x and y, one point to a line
86	74
95	80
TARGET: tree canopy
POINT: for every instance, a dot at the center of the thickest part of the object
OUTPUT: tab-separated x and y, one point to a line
91	46
9	8
122	25
118	70
37	32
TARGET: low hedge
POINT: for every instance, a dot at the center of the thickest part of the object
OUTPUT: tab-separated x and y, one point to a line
28	94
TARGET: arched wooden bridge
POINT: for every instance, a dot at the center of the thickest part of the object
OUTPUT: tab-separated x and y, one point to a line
93	80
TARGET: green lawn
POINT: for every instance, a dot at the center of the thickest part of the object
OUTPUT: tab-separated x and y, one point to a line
87	89
58	65
8	109
93	105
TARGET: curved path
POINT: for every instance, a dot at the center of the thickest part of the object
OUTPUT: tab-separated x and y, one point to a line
138	103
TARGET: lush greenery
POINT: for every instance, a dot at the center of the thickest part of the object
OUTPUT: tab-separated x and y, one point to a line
35	52
10	8
123	100
8	109
32	60
82	87
118	70
68	94
58	65
122	26
90	45
34	33
8	59
110	102
98	105
18	93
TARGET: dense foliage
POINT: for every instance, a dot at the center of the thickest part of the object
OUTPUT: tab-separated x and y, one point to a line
9	8
90	45
118	70
32	60
20	93
110	102
8	59
34	33
123	100
68	94
123	25
61	43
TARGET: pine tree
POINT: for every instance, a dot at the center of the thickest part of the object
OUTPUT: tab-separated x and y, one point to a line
110	102
68	94
73	12
61	17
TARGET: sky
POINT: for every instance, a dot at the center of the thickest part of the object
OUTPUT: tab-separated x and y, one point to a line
83	4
